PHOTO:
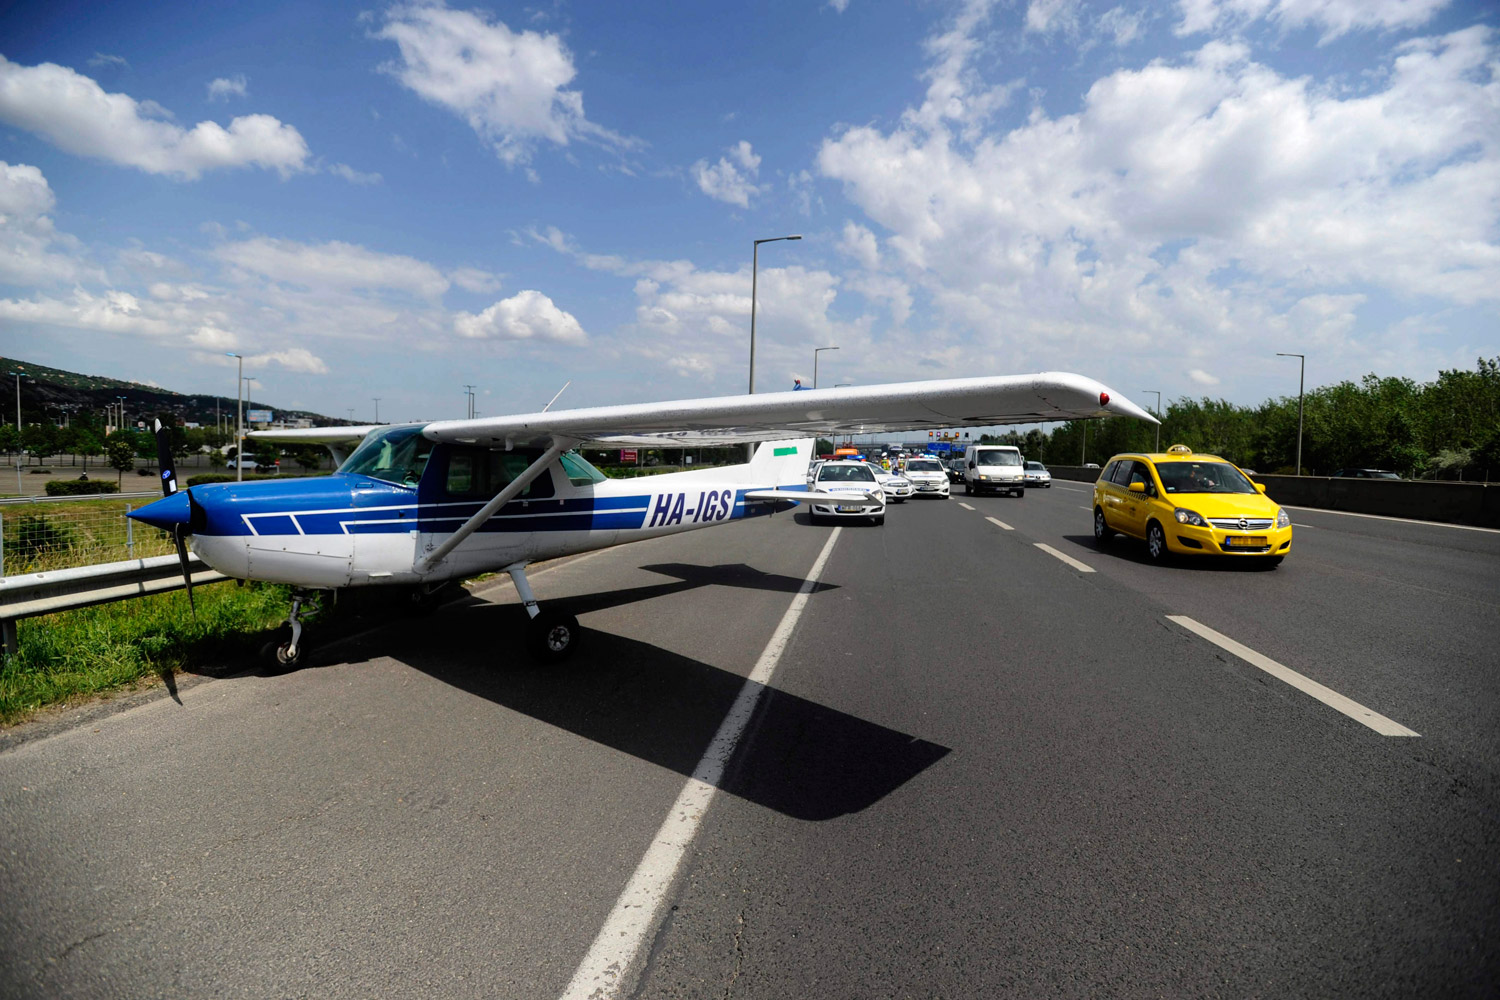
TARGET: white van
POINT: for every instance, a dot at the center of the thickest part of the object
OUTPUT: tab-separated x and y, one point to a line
994	467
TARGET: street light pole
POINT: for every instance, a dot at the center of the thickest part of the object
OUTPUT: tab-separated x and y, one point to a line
468	400
239	414
754	269
1301	373
816	352
20	451
1158	416
377	407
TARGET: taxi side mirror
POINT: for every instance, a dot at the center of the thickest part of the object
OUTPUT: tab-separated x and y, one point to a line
1136	486
1259	487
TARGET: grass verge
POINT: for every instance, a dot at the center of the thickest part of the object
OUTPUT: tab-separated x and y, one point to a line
78	653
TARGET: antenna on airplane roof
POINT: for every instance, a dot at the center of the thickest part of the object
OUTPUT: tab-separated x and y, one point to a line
559	393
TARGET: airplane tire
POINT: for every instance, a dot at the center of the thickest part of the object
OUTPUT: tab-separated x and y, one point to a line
274	653
552	637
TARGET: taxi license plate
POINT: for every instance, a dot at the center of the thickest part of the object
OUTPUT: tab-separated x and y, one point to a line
1245	541
848	508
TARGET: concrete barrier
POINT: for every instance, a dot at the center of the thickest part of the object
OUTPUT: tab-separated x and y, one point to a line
1476	504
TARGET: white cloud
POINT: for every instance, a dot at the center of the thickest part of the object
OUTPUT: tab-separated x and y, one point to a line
334	266
1201	377
1051	15
859	243
732	179
527	315
509	86
27	235
472	279
101	60
353	176
1122	26
293	359
75	114
1334	17
226	87
1189	203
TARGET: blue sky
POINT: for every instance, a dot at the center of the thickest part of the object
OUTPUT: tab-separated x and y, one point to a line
397	200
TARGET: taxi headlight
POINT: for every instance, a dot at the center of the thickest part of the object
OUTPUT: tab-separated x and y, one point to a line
1283	519
1185	516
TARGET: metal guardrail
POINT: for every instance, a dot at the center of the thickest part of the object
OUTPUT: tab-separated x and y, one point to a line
77	498
29	594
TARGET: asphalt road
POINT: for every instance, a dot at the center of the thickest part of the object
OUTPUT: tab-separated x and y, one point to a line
977	771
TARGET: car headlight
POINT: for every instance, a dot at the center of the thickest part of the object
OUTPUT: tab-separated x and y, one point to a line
1283	519
1185	516
983	477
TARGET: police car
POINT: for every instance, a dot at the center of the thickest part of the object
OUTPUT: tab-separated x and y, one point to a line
928	479
855	479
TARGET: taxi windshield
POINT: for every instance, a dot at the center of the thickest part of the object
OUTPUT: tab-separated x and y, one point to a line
396	455
1202	477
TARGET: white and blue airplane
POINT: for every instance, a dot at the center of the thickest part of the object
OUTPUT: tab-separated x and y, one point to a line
422	505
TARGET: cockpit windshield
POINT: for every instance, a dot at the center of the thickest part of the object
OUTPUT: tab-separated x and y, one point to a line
396	455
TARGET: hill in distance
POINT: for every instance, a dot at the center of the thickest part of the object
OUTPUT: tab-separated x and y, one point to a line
55	395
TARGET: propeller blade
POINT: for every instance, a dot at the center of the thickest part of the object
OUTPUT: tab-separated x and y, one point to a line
164	460
182	557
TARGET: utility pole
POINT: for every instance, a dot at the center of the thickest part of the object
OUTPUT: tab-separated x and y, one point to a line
1301	372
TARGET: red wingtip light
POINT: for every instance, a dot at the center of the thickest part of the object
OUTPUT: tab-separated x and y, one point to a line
1103	399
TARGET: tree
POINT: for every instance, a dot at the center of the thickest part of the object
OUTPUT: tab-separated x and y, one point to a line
309	458
10	441
87	444
40	440
121	453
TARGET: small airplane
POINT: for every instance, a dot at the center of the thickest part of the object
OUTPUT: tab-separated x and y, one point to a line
422	505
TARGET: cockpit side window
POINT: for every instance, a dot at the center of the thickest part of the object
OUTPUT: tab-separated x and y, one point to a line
478	473
579	471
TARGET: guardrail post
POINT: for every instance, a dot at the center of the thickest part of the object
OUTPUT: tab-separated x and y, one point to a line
8	626
129	534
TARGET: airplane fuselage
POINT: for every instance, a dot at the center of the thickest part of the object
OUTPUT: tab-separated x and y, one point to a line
351	530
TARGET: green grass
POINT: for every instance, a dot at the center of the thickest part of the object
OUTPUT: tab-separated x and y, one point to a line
74	654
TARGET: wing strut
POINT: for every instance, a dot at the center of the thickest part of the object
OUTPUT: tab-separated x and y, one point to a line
505	496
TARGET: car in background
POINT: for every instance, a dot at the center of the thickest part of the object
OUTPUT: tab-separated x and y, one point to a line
955	470
1184	504
1037	475
855	478
1365	474
812	469
928	477
897	487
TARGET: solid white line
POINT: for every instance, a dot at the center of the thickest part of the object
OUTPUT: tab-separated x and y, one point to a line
1080	567
1403	520
1327	696
964	505
636	915
999	523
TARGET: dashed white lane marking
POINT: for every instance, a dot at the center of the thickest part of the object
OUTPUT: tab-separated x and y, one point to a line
637	912
1327	696
999	523
964	505
1080	567
1402	520
1075	489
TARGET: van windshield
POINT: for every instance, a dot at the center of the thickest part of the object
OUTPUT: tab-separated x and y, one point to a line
995	456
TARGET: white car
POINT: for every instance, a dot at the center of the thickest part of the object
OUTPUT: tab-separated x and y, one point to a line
855	478
812	469
895	486
928	477
1037	475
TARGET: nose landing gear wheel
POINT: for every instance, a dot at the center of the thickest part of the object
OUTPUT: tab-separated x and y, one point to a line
552	637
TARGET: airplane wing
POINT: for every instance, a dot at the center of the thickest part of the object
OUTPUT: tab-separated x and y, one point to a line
875	409
316	435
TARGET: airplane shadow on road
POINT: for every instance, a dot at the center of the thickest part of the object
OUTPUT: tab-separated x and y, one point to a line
802	759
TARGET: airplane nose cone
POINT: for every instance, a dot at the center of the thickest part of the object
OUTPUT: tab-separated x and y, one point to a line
166	512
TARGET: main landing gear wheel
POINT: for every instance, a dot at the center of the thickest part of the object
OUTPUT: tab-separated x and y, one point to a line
552	637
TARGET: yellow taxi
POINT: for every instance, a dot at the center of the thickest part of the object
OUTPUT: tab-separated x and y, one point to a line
1183	503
